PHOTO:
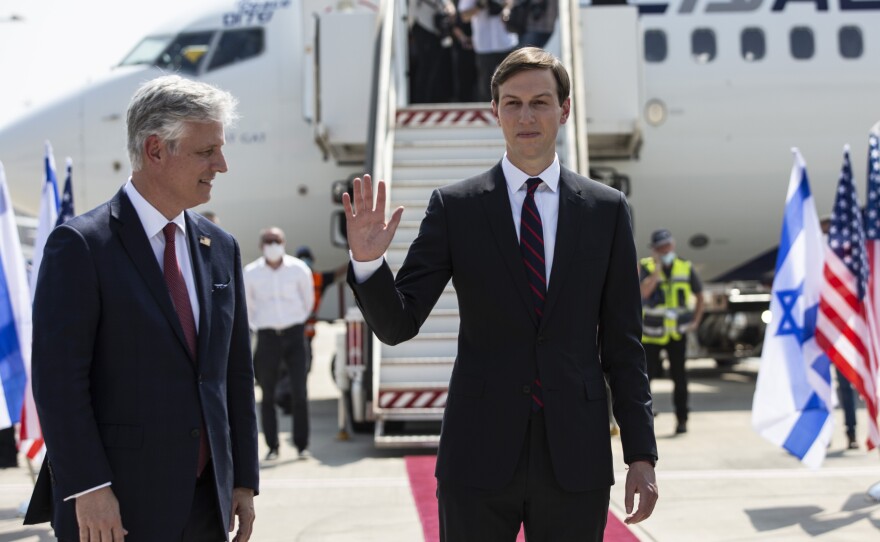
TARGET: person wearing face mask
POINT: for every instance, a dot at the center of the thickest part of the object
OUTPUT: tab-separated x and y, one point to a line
280	295
671	307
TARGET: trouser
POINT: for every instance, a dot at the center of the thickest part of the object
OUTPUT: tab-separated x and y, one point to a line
486	64
847	396
676	351
533	498
432	71
275	347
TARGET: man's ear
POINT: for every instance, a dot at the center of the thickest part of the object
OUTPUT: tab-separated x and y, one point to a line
495	112
154	149
566	110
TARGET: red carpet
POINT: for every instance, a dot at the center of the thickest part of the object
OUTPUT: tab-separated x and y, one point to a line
420	469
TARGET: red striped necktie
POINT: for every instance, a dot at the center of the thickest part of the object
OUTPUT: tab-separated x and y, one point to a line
180	298
531	245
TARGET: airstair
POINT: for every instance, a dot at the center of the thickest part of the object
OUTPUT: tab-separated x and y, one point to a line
434	146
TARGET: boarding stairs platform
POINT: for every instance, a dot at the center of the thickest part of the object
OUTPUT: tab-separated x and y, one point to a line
434	145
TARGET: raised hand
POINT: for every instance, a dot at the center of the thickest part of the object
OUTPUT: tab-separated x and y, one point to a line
369	236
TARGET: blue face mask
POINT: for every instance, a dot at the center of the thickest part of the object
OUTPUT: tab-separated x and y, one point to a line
668	258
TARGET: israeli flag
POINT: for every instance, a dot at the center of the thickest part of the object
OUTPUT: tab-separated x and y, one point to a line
793	395
48	215
15	314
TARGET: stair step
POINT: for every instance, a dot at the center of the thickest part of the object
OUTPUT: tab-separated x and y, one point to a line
437	360
407	441
434	347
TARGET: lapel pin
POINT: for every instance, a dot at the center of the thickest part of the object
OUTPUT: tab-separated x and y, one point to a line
205	240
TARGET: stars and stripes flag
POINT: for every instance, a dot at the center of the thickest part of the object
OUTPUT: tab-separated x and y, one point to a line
867	377
15	314
846	327
793	395
48	215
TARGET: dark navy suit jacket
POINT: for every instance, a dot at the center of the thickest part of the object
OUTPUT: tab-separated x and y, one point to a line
119	396
590	330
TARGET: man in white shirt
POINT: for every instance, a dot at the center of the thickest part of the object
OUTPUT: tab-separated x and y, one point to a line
280	295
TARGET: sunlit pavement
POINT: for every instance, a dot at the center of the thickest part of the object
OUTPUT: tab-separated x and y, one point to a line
718	482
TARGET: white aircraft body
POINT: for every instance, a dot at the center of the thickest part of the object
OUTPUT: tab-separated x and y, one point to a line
728	87
715	160
260	51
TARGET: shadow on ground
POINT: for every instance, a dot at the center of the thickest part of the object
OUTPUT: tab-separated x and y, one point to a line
814	520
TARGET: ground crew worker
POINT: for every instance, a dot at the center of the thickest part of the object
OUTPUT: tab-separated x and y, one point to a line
671	306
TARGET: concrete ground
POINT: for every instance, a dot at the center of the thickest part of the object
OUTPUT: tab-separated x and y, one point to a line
719	482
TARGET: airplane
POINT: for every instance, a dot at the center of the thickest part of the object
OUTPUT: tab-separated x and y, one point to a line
263	52
730	87
724	89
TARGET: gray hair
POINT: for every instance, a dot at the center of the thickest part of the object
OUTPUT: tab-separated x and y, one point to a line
163	105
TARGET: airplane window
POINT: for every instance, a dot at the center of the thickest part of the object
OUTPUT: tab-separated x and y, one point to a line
147	50
655	46
237	45
185	53
703	46
802	43
849	40
752	44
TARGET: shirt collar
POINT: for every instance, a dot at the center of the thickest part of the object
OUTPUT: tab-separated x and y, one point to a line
516	177
151	219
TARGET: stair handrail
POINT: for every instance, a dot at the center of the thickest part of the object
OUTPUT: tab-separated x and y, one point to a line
576	148
386	91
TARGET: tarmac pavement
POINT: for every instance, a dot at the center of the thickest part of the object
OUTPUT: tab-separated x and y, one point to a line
718	482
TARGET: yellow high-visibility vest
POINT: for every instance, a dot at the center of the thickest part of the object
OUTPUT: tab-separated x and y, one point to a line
667	318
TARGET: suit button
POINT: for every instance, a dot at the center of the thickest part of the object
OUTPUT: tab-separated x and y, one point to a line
526	390
540	339
194	433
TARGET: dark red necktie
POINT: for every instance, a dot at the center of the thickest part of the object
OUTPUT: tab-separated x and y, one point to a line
531	245
180	298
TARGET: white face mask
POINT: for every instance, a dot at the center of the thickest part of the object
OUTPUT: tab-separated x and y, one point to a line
668	258
273	251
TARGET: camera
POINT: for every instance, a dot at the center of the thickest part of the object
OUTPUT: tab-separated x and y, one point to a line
443	23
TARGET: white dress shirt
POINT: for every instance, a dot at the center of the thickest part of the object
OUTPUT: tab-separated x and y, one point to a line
278	298
489	33
546	198
153	222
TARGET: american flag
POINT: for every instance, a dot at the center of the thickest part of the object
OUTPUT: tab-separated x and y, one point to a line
846	326
870	388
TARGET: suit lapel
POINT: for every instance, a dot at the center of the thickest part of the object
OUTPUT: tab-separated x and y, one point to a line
134	240
200	250
497	204
570	227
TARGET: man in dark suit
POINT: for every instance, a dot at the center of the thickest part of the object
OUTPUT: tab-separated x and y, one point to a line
544	266
142	370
